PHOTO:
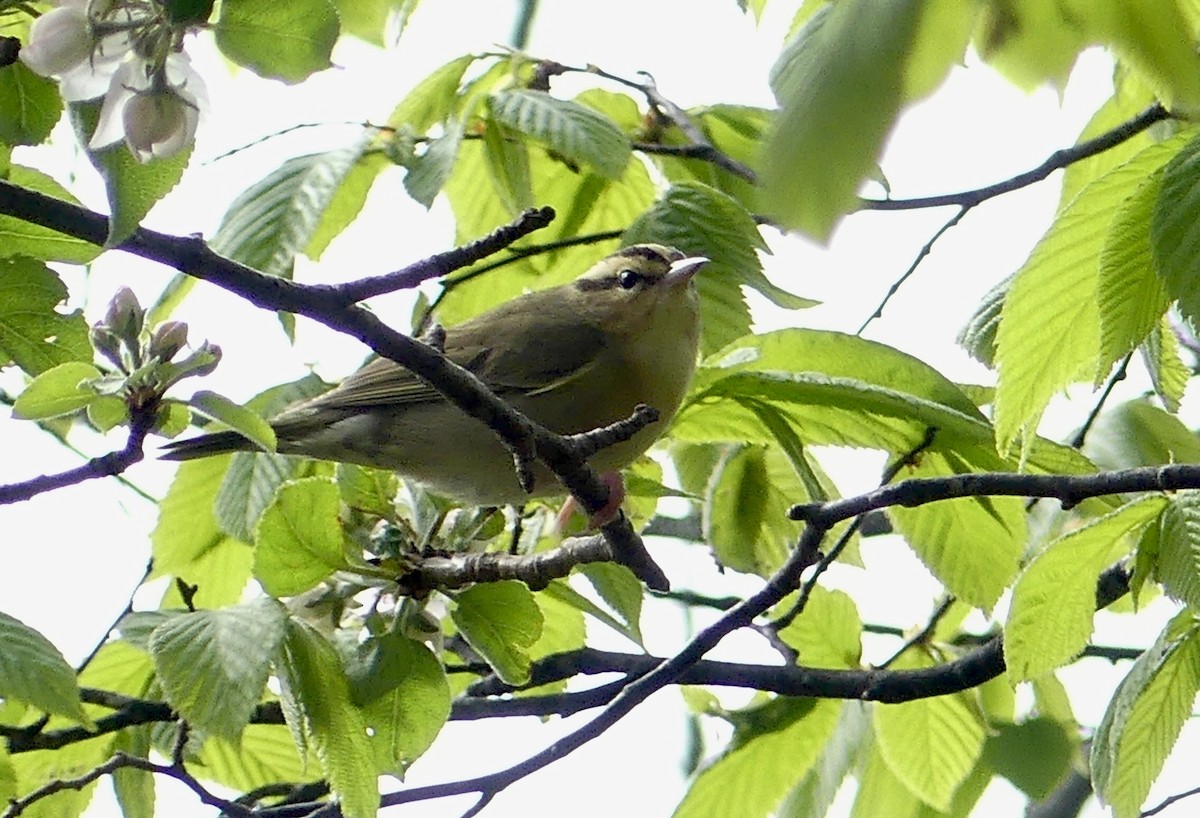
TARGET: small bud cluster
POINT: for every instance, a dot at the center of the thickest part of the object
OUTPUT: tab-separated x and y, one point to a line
131	52
146	359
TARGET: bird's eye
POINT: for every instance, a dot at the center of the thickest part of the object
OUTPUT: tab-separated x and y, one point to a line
628	279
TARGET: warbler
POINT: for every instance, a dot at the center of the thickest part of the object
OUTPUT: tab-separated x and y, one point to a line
572	358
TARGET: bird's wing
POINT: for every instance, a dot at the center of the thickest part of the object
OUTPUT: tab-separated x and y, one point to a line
531	358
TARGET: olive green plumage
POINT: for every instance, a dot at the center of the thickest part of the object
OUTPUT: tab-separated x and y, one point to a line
573	358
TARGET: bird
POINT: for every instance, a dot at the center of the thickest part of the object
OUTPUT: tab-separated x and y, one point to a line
572	358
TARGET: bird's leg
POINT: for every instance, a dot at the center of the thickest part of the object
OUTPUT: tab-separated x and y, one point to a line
616	496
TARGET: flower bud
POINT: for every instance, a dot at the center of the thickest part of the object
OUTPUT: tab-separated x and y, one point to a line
125	316
59	40
208	351
157	123
107	344
168	339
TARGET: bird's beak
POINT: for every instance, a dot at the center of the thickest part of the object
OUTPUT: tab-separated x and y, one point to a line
681	271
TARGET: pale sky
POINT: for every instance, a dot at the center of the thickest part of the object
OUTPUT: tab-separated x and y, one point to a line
977	130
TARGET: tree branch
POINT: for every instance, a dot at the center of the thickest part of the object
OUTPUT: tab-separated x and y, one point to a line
141	421
1068	489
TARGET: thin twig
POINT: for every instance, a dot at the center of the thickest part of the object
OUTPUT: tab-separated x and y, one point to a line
119	761
513	255
889	474
912	268
922	636
442	264
1168	801
141	421
1056	161
87	660
1114	379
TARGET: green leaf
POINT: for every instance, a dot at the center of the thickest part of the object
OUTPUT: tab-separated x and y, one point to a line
1144	718
702	221
843	411
33	671
773	748
840	83
1128	100
971	544
213	665
221	574
298	542
1049	334
407	716
978	337
827	633
32	333
264	755
815	793
1050	615
502	621
620	590
370	490
374	21
429	173
316	685
563	630
276	218
133	187
8	775
943	31
244	421
283	42
881	792
508	165
346	202
1174	234
576	132
1034	755
1168	373
1130	294
566	595
187	527
1031	42
1137	433
1179	548
134	788
734	511
248	489
736	131
931	745
58	391
29	106
837	355
432	100
1154	37
107	412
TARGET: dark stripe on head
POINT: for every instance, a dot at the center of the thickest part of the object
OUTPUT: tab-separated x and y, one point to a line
649	253
589	285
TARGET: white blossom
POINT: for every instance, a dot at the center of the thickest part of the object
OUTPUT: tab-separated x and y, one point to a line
59	40
121	50
157	115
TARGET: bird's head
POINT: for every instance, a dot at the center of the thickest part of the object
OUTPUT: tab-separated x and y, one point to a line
641	285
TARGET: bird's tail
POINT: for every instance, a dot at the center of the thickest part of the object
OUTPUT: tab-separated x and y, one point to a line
206	446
